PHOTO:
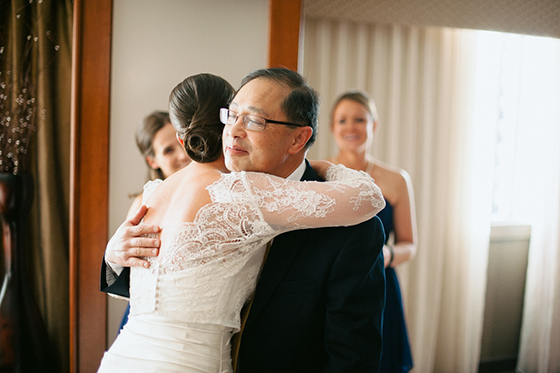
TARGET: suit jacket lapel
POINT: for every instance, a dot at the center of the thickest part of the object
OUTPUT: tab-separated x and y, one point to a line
282	253
310	174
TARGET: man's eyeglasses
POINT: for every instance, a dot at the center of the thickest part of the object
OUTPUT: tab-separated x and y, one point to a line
250	122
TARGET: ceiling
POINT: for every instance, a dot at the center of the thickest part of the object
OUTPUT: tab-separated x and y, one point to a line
533	17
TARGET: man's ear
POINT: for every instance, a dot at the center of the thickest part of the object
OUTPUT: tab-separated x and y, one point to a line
300	138
152	162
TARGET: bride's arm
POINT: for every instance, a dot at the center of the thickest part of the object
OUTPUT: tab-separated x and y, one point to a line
347	197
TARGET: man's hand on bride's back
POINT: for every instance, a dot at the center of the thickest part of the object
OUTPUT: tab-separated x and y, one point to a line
128	248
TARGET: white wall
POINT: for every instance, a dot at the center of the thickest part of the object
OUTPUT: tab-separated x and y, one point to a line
157	44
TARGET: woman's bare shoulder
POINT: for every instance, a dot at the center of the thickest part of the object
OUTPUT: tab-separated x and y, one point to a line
393	181
390	172
181	195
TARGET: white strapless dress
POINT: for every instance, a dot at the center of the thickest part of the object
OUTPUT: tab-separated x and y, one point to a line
186	306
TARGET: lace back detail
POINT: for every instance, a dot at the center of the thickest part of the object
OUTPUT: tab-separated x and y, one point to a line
208	268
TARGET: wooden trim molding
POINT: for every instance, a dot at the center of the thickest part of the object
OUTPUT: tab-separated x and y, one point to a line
91	61
285	21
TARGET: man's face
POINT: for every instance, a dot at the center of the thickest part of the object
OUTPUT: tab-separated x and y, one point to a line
266	151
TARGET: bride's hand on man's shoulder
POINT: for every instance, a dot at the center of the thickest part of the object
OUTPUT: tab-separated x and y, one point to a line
128	247
320	167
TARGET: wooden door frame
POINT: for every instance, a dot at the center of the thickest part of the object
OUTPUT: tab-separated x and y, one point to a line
285	24
89	180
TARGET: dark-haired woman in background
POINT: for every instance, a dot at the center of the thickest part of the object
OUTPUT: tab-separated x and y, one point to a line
353	123
157	141
214	226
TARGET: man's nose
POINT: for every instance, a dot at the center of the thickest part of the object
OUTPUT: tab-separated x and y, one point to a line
236	129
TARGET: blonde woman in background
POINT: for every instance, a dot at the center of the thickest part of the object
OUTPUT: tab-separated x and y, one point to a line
354	121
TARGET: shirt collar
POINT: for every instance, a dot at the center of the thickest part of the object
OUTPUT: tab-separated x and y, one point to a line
298	173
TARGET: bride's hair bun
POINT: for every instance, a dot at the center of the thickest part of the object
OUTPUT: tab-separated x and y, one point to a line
194	109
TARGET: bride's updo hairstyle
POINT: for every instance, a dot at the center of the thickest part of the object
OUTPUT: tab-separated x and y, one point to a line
194	109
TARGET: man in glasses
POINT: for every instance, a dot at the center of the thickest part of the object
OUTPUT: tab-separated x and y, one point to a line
319	301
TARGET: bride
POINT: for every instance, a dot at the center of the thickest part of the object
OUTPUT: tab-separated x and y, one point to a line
215	225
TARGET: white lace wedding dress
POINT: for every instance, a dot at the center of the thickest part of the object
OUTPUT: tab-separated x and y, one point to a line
186	306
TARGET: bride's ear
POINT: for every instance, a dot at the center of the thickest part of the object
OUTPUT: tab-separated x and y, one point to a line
181	141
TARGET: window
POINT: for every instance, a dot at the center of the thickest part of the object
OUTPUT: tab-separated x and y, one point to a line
517	92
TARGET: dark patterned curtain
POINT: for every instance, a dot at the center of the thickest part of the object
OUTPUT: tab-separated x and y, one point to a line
35	86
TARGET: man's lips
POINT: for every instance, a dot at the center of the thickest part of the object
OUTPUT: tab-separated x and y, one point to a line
235	150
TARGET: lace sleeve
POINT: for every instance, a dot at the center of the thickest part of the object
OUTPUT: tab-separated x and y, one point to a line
348	197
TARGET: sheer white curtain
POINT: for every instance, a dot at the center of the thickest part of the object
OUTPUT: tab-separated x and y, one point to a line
520	75
422	82
537	200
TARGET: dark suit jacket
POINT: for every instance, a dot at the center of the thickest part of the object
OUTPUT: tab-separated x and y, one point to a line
318	306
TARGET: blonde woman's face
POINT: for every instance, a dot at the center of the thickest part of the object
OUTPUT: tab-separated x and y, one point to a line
169	155
352	126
